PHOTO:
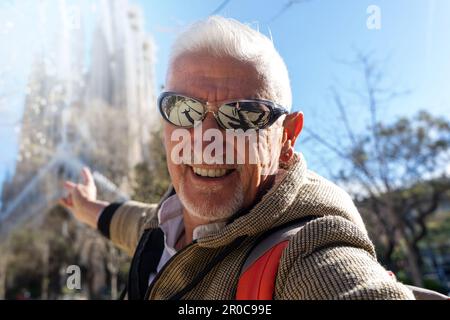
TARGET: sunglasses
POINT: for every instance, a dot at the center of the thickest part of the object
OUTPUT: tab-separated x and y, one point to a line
183	111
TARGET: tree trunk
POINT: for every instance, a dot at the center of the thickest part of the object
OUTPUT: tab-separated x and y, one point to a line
412	257
387	256
3	267
45	278
113	269
412	254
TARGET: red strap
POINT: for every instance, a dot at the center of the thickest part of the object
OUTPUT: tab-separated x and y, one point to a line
258	281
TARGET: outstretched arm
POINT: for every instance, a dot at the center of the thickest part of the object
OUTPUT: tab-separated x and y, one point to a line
122	223
331	258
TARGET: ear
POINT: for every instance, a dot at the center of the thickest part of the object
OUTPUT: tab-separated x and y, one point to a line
293	125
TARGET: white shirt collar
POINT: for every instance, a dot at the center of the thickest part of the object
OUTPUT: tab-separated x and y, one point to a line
170	218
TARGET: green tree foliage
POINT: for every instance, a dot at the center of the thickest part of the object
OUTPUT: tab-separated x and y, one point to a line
404	182
37	256
151	179
397	171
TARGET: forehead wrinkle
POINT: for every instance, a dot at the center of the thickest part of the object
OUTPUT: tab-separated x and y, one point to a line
215	89
216	79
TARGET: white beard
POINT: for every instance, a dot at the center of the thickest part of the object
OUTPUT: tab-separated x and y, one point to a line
212	211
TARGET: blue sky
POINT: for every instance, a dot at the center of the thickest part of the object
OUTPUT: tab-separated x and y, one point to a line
311	37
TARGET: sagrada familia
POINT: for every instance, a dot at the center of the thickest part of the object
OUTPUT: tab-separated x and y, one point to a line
86	104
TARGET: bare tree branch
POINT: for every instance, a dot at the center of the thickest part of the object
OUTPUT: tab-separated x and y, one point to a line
343	112
285	8
395	165
220	7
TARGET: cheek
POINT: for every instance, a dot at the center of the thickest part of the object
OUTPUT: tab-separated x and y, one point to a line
250	178
177	174
175	170
270	147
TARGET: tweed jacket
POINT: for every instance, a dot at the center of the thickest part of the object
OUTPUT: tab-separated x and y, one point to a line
331	257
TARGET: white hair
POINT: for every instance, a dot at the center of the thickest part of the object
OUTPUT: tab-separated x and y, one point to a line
226	37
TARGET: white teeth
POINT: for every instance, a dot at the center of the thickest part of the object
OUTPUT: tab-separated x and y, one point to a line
213	173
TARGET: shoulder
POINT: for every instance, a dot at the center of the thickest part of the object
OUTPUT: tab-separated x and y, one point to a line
321	197
328	231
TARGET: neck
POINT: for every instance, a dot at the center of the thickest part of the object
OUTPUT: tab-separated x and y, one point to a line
190	223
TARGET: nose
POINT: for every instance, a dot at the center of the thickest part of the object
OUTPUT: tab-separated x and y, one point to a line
210	122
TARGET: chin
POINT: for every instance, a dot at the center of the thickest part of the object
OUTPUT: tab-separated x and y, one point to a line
211	206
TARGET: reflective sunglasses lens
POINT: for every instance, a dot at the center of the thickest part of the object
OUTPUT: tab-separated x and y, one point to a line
244	115
182	111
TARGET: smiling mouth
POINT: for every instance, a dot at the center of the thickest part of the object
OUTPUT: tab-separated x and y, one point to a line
212	173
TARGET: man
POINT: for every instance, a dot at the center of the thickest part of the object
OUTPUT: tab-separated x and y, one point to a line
223	75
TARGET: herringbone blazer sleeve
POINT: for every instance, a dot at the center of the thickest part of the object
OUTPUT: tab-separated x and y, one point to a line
128	224
332	259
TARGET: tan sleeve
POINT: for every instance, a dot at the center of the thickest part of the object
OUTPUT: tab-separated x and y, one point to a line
332	259
129	222
341	273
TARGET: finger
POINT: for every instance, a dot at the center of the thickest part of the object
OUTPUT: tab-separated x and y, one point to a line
87	176
63	202
66	202
68	199
69	185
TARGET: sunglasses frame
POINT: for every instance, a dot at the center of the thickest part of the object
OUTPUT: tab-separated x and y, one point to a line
275	109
